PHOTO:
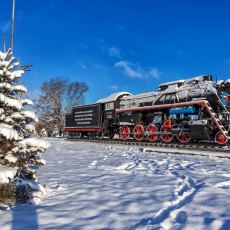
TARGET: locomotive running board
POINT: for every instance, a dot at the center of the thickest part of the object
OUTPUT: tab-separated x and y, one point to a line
156	133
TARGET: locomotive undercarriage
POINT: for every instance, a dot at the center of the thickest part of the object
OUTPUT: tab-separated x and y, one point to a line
204	124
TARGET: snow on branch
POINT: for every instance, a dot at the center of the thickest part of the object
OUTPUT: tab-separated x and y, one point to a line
16	74
14	103
10	102
2	115
6	173
30	114
17	115
30	128
27	102
5	73
19	88
35	143
4	56
9	133
5	85
11	158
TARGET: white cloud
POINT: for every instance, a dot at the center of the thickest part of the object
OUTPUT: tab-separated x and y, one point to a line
155	73
132	70
33	95
127	69
101	43
113	51
81	64
113	87
6	27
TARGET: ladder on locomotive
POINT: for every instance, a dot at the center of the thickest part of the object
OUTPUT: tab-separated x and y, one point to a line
215	118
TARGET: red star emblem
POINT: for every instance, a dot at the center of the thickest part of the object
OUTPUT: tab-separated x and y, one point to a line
225	99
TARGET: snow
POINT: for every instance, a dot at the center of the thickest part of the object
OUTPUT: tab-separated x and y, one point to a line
6	173
4	56
30	114
3	99
2	117
10	102
113	97
27	102
14	103
16	74
99	186
16	115
35	143
11	158
19	88
5	85
5	72
8	132
30	128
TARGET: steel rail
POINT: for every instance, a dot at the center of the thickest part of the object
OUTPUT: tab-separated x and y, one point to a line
201	146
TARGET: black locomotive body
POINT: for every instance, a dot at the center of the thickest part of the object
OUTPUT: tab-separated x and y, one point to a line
185	110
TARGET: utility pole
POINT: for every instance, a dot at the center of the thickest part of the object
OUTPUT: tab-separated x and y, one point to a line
12	29
4	47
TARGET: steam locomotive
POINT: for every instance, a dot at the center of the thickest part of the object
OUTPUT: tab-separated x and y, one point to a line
185	110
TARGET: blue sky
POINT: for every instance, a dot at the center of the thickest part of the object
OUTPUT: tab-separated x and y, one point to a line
114	46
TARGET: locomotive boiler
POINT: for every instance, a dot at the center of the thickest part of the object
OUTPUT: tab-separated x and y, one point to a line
185	110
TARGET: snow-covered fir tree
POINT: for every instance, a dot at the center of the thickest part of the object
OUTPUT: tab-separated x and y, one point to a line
43	133
20	154
55	132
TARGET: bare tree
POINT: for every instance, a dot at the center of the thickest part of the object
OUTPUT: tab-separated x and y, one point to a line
59	97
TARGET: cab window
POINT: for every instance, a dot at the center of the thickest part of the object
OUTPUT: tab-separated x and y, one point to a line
109	106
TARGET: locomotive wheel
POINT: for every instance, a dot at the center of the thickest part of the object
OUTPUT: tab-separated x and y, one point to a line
152	129
100	136
166	138
111	136
183	137
89	135
138	129
220	138
78	135
124	132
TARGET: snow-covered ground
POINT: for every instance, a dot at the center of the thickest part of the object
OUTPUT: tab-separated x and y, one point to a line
99	186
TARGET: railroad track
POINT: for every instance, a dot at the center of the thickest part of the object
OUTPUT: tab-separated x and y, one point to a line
201	146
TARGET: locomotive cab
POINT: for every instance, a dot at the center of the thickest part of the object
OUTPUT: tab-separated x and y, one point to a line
109	116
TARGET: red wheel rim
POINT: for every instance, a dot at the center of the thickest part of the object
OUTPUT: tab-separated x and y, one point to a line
124	130
184	137
138	129
220	138
152	129
166	138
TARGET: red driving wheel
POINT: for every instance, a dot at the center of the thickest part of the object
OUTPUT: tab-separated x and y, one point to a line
184	137
138	129
166	138
220	138
124	132
152	129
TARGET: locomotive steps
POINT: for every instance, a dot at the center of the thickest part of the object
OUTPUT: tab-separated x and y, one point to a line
201	148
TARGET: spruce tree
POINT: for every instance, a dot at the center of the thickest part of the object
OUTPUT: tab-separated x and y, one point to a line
20	154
